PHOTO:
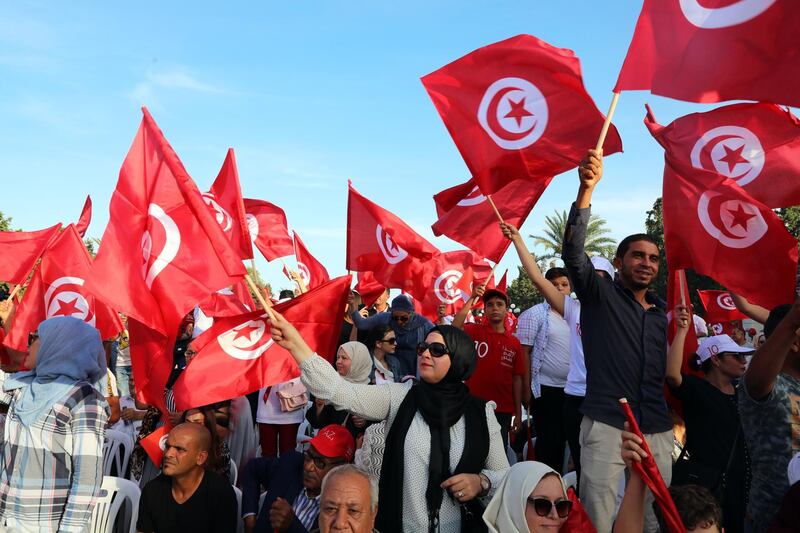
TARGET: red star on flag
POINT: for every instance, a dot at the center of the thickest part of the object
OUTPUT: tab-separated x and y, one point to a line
245	331
740	217
733	156
518	111
68	308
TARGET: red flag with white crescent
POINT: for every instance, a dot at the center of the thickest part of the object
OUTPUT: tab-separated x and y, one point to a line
161	253
444	282
57	289
311	270
237	356
711	51
268	228
755	144
224	201
714	227
378	241
155	444
19	251
517	109
368	287
86	217
720	307
467	217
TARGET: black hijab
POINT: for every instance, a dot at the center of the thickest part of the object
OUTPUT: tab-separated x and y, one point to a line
441	405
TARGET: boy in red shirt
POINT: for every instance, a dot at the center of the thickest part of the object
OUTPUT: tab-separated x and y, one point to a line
501	366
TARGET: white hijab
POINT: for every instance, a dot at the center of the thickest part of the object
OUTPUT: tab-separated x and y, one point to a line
506	512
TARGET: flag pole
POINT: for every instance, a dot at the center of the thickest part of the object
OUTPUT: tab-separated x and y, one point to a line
253	267
260	297
485	283
681	281
14	292
607	123
496	212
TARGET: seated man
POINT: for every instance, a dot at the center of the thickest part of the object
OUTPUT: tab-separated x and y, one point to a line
293	482
187	496
349	501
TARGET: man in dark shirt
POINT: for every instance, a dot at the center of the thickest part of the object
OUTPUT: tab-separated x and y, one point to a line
624	334
186	496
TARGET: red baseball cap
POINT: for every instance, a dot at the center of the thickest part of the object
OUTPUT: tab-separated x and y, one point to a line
334	441
494	293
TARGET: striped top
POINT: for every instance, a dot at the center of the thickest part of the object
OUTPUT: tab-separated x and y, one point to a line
50	472
306	509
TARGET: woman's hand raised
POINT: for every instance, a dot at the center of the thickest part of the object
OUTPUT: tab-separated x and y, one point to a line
286	336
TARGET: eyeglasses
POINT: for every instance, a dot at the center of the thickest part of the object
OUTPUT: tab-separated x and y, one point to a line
400	318
737	355
437	349
543	506
32	336
393	340
319	461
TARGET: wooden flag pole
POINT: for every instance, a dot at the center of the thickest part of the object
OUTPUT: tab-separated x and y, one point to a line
253	267
14	292
607	123
681	281
485	283
496	212
267	307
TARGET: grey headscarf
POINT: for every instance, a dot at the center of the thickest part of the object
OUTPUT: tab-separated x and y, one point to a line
70	352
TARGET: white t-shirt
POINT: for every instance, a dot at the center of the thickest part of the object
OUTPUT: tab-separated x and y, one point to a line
555	357
269	412
700	327
576	379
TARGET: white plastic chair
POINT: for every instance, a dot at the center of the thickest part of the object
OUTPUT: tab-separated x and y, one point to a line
525	448
239	521
571	480
113	493
117	449
234	473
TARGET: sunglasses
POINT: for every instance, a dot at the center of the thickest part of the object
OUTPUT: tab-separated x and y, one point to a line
393	340
437	349
32	336
400	318
318	461
736	355
543	506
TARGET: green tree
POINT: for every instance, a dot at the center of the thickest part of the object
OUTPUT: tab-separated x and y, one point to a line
597	240
654	227
92	244
791	219
5	222
522	292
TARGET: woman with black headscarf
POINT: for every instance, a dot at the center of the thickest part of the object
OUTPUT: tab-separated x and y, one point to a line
443	448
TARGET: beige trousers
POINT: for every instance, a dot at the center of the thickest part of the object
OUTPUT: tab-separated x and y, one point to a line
602	466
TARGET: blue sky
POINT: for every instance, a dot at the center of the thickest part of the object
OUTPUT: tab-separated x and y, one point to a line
309	94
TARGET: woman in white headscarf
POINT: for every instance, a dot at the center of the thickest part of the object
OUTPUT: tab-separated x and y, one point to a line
354	364
531	499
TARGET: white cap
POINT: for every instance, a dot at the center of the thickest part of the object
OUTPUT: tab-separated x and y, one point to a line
794	469
601	263
718	344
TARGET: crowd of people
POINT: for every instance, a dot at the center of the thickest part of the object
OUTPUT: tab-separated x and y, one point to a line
420	426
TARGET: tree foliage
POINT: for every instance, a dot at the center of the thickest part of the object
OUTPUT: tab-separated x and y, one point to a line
597	240
5	222
522	292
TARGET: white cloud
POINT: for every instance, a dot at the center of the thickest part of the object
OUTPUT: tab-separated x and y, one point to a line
176	79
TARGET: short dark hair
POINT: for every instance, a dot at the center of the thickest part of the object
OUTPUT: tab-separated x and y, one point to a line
555	273
775	317
696	506
622	249
377	334
705	366
286	293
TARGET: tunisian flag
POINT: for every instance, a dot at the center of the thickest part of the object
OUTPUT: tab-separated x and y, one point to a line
86	217
517	109
157	213
311	270
756	145
716	50
237	355
714	227
268	228
466	217
368	287
719	307
380	242
19	251
57	289
443	282
224	200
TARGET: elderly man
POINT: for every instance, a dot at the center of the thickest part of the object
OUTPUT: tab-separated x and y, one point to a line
349	501
293	482
187	496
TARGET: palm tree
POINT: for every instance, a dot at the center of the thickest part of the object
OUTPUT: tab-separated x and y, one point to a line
597	241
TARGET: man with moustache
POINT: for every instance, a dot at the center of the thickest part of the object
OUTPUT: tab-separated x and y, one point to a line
624	334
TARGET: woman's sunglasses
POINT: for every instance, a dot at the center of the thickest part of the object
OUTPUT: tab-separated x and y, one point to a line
437	349
543	506
393	340
400	318
32	336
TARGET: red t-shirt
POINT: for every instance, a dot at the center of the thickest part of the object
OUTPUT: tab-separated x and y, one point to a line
500	357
